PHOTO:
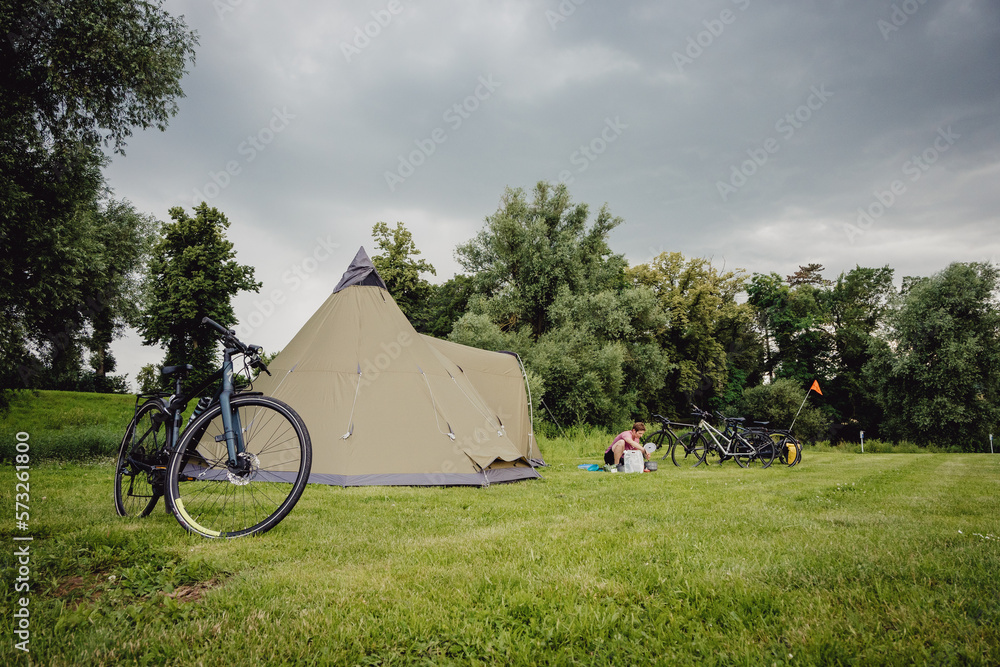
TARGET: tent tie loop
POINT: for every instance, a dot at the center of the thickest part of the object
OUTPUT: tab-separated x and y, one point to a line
483	409
450	433
350	423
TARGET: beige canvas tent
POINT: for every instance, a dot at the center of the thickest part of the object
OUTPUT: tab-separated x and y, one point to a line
387	406
499	378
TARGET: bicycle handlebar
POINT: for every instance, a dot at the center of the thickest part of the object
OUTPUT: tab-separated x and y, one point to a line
229	337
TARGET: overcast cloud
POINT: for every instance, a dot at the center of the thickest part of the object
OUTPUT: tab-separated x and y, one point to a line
746	131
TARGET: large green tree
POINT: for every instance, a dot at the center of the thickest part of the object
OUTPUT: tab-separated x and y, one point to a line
937	373
399	267
527	251
85	72
77	76
447	302
96	255
708	335
193	273
546	285
794	318
857	302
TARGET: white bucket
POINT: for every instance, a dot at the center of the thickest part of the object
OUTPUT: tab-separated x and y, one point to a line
633	460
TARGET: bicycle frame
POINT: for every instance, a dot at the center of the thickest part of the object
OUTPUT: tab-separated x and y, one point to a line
177	402
705	427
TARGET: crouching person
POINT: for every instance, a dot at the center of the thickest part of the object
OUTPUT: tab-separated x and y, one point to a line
624	441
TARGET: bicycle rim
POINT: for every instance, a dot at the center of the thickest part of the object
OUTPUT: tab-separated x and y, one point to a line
137	487
686	452
214	499
763	450
706	450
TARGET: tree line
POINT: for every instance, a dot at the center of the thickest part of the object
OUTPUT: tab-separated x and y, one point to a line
605	343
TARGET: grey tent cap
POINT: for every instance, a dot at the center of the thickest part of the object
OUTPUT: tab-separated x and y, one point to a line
360	272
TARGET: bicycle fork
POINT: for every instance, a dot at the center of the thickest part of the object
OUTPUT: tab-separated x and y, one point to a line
238	464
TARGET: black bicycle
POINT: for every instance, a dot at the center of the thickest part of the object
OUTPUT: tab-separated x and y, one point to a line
682	448
237	467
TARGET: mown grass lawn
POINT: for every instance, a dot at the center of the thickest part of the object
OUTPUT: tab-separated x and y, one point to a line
844	559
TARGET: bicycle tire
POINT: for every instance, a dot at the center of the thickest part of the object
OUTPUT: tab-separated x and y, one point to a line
798	451
743	452
685	451
782	441
705	450
210	499
658	439
763	450
136	488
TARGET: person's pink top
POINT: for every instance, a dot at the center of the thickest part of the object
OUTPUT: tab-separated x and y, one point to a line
620	436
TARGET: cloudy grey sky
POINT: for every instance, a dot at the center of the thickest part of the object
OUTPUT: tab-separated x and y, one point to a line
760	134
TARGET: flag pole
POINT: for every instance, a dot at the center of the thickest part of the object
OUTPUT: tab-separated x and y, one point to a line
814	387
800	410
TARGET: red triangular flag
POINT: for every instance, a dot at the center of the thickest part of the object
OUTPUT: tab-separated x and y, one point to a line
815	387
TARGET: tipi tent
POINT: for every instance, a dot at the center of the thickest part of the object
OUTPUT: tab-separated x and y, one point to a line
387	406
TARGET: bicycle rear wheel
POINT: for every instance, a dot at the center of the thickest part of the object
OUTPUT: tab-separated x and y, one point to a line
214	499
743	452
782	442
762	451
664	441
139	470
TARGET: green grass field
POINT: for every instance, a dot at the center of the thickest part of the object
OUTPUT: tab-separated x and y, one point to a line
66	424
874	559
844	559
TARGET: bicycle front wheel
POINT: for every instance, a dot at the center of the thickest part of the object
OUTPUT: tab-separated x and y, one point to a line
704	450
141	461
688	450
214	497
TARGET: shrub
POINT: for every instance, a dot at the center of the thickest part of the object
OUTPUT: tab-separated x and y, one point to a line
777	403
